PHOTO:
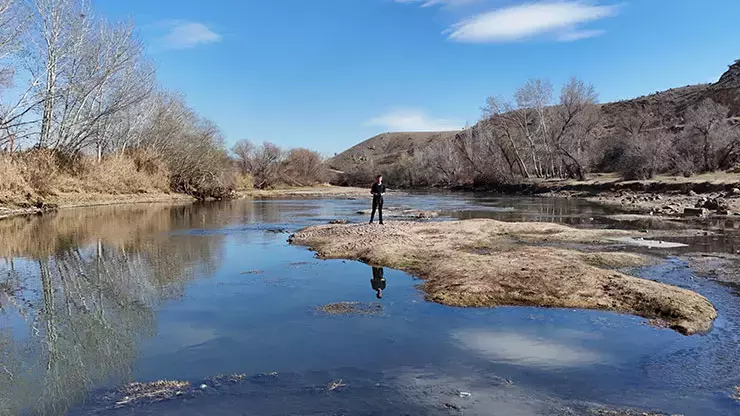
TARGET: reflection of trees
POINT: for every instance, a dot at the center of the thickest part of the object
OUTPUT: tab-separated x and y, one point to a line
88	301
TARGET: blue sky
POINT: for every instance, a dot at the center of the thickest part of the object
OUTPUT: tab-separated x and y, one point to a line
327	74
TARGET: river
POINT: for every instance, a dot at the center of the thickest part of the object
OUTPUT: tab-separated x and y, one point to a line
94	298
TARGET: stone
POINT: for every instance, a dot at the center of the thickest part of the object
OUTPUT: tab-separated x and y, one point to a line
694	212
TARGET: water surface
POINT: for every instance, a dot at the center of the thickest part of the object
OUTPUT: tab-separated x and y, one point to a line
92	298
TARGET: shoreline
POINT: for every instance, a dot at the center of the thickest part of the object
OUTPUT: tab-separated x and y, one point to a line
21	207
322	191
68	201
706	195
709	195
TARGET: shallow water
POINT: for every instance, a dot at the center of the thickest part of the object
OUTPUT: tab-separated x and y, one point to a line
92	298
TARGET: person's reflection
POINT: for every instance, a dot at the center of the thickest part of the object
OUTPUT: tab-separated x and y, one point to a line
378	282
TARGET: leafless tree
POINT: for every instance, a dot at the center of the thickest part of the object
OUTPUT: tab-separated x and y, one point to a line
574	120
267	161
498	117
243	151
707	121
12	26
305	167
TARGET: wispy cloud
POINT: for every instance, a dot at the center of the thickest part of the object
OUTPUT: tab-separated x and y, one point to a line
428	3
559	18
575	35
409	119
186	35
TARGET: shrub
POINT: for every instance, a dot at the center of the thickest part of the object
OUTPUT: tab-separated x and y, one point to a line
244	182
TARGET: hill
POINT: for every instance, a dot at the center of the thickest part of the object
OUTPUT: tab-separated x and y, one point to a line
384	152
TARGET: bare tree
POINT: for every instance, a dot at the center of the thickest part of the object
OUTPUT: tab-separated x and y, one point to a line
532	101
574	119
497	116
12	25
243	151
305	167
707	121
266	165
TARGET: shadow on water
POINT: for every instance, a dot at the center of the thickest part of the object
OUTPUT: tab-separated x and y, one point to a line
97	297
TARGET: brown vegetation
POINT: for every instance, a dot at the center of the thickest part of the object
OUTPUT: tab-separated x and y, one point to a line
682	131
491	263
269	166
39	175
89	116
318	191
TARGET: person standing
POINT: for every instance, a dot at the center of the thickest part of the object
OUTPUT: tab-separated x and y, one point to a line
378	190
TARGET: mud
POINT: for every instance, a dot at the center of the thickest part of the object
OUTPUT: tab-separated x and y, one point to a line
721	267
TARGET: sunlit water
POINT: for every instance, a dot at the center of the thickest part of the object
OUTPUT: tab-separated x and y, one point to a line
92	298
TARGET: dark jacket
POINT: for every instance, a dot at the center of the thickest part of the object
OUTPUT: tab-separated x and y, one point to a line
377	188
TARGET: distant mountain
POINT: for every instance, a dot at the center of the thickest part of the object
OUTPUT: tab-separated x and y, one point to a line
384	151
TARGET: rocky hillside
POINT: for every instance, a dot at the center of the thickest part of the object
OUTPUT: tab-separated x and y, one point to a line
382	152
727	90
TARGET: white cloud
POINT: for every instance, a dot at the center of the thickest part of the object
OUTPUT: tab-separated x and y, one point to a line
408	119
185	35
428	3
574	35
527	20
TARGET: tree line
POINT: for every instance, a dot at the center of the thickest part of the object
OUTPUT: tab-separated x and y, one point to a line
78	90
532	136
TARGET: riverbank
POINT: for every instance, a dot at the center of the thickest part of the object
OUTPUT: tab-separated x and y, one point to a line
35	206
716	193
487	263
76	200
320	191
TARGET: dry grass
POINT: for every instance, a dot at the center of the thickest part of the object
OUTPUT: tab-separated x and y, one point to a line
485	263
318	191
36	179
13	183
244	182
40	174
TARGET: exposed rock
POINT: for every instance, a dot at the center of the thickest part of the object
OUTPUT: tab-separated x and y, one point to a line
713	204
695	212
